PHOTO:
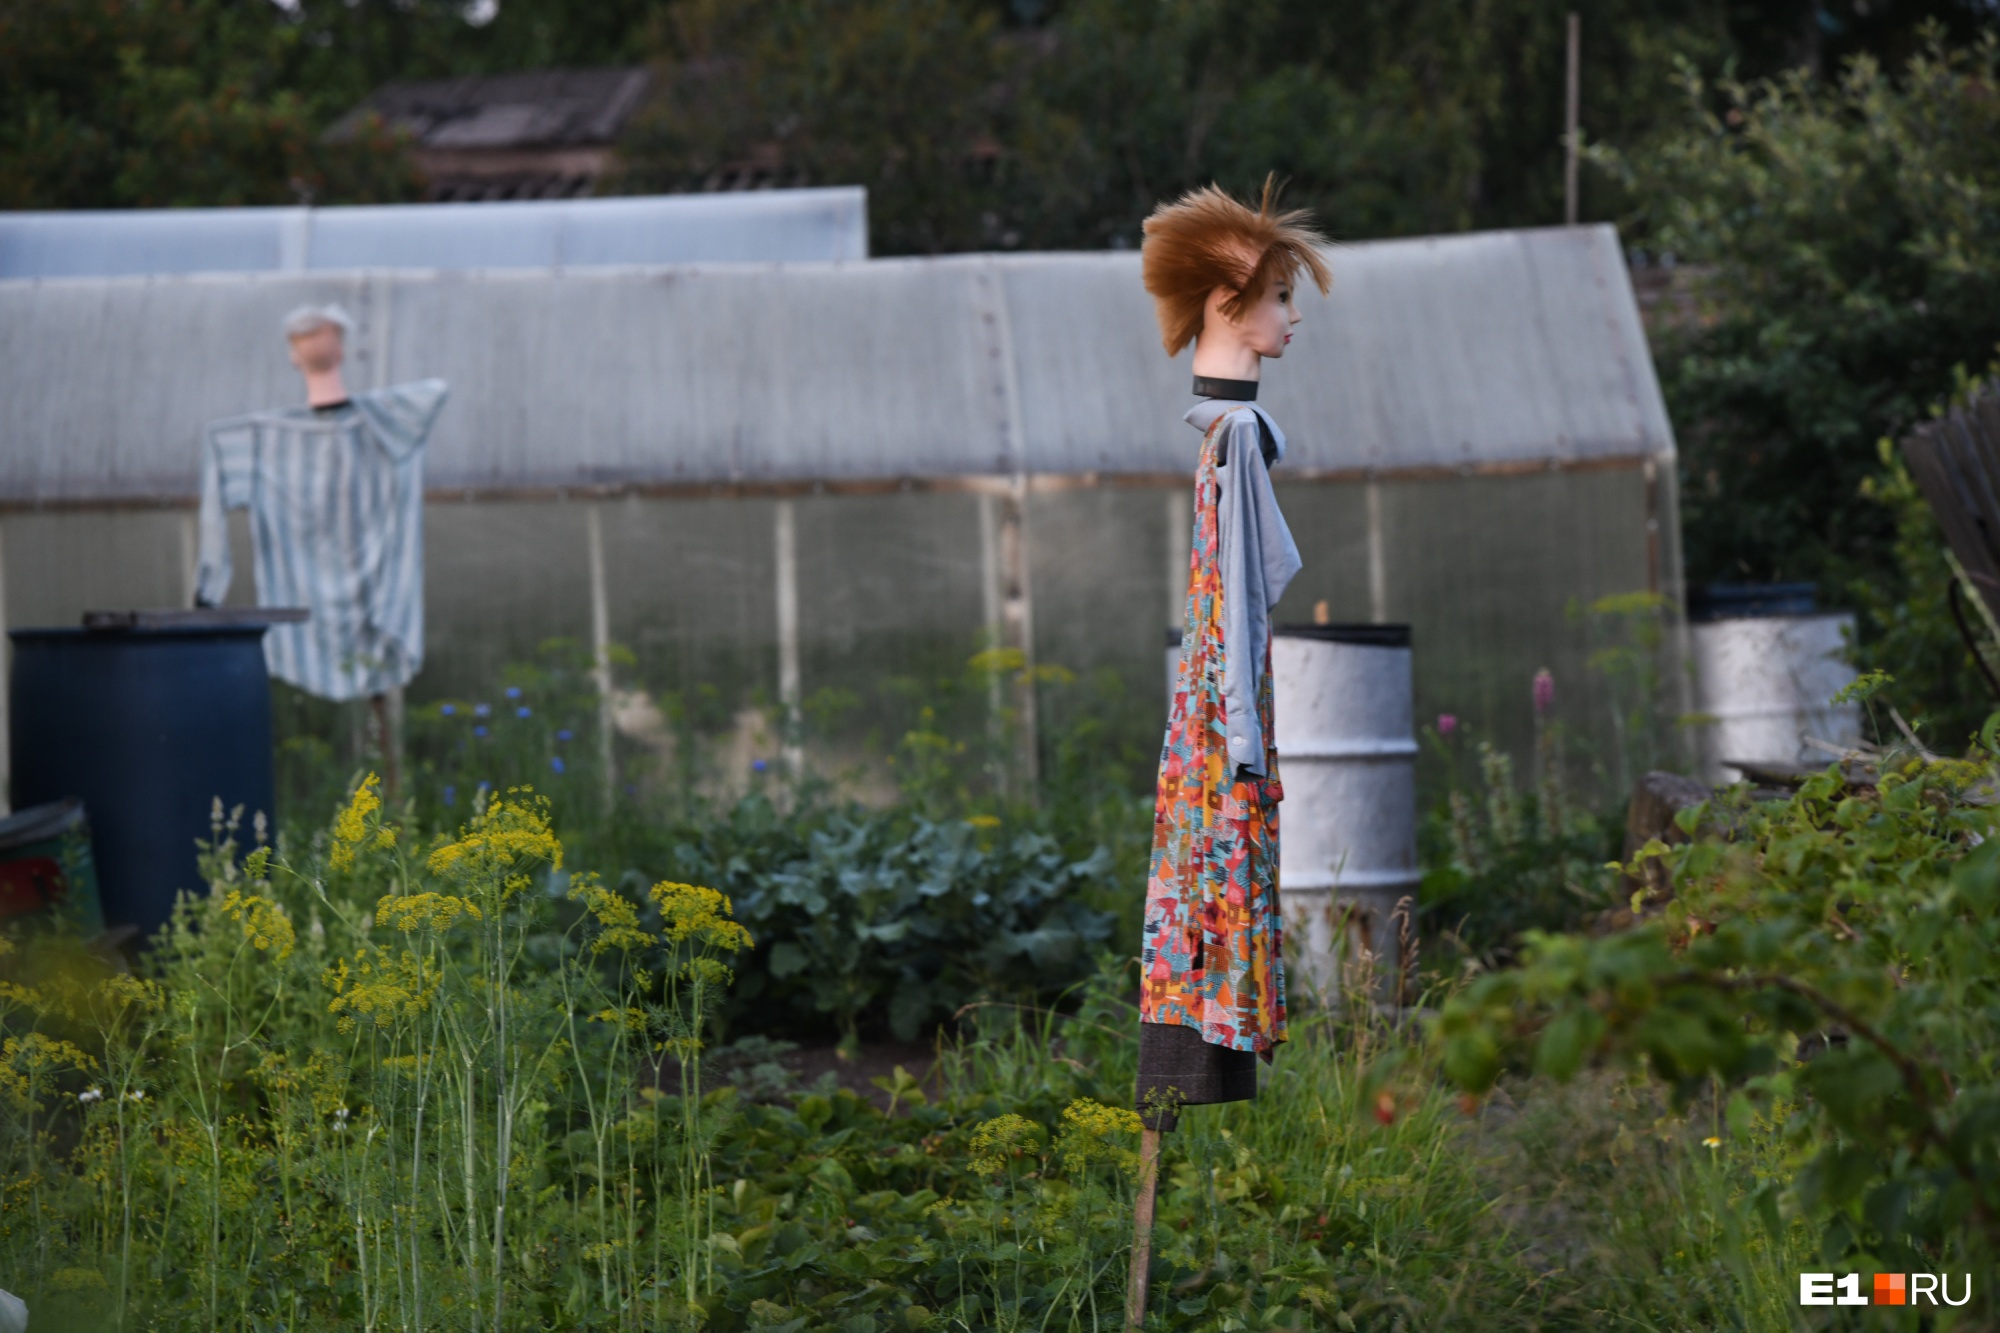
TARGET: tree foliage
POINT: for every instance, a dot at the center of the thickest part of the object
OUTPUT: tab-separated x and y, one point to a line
1393	118
169	102
124	103
1851	230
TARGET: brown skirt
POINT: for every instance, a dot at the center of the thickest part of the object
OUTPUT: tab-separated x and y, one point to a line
1177	1068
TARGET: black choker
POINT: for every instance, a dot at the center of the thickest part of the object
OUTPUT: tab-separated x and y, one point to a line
1242	391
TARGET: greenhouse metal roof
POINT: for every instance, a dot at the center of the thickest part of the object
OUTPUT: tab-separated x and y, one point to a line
1497	351
750	226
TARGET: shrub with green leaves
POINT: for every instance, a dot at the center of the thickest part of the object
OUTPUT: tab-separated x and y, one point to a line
1831	963
914	918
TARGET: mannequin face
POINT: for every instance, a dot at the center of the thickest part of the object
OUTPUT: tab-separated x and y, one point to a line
1235	348
318	352
1264	328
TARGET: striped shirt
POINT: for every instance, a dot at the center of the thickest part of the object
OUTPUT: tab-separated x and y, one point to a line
336	501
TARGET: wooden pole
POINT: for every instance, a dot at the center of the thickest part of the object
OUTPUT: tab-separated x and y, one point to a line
1142	1229
385	740
1572	93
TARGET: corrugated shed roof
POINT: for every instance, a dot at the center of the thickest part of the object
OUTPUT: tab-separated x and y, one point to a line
1511	348
824	225
532	108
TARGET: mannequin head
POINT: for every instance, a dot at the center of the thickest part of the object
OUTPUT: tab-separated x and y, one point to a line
318	338
1222	276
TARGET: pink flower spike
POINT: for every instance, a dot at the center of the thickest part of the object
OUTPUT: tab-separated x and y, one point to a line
1447	723
1545	691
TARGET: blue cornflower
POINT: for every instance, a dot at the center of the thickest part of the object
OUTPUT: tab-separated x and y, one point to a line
565	735
524	711
447	710
482	710
556	763
451	796
513	691
479	731
758	765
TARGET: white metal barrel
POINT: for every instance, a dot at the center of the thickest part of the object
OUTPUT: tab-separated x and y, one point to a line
1764	687
1347	755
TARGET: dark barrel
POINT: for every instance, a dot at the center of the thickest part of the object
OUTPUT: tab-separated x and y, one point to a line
147	722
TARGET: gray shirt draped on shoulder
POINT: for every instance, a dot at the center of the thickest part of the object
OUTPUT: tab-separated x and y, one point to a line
1259	560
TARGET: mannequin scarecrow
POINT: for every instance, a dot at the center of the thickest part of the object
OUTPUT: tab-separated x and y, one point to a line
1212	997
335	491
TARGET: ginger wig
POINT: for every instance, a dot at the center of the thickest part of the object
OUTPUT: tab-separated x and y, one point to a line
1207	239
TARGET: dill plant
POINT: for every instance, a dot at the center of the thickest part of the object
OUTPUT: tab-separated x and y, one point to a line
345	1094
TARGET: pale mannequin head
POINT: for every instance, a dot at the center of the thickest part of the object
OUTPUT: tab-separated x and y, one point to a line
318	338
1232	347
1223	276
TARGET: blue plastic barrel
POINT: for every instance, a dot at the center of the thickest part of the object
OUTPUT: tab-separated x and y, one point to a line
147	722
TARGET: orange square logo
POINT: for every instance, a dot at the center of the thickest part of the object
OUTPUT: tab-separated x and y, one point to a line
1892	1289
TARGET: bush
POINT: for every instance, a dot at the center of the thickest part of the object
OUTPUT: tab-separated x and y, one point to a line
1830	963
870	917
1500	861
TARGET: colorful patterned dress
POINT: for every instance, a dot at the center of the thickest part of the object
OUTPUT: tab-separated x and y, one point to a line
1213	934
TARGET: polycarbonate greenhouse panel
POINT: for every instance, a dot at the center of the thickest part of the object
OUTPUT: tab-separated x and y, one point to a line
822	225
1496	351
1495	574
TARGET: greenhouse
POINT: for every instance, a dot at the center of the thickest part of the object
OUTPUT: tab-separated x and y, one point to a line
823	224
789	482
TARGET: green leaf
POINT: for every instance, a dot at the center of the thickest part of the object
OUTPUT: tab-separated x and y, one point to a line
788	959
1567	1041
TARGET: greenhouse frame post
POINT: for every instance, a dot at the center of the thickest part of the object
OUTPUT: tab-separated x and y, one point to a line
600	652
989	606
6	689
1668	579
785	552
1378	563
189	531
1015	567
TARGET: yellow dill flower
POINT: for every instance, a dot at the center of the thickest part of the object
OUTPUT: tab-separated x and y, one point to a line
264	923
424	911
1092	1131
690	912
632	1020
512	836
381	985
1002	1138
616	915
350	826
12	992
79	1279
122	988
24	1059
998	661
